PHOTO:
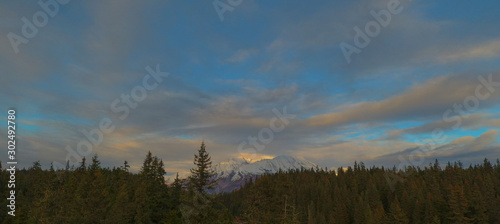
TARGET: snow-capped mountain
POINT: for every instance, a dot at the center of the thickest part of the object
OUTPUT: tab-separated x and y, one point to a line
232	174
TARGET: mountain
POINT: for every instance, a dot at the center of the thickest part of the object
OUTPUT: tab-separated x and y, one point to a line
233	173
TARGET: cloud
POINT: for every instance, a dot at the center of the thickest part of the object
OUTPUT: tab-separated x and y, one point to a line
432	98
490	49
466	148
239	82
344	153
227	77
472	121
242	55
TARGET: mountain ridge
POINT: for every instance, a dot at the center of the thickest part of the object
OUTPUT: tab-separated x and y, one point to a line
235	172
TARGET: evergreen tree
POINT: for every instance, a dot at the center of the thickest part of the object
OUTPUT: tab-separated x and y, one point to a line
201	177
176	192
96	164
93	194
458	205
200	207
397	214
125	166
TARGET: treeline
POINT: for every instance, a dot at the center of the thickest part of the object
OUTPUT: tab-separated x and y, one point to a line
372	195
92	194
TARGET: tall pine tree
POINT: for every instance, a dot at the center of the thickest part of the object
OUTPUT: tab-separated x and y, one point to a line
201	178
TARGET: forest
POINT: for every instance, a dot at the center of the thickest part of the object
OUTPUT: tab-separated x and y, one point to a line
358	194
91	193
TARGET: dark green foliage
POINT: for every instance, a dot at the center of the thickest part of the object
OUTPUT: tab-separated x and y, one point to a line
199	206
201	176
90	193
365	195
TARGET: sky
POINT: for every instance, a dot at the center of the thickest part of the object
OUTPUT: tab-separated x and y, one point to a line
386	82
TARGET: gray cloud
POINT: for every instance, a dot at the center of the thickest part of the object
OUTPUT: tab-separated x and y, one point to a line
430	99
65	79
472	121
465	148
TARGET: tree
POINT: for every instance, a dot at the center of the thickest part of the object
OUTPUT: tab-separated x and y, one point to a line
200	207
176	192
201	177
152	191
398	215
125	166
96	164
36	166
146	169
83	166
458	205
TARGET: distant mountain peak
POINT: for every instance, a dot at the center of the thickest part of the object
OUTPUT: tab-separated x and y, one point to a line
233	173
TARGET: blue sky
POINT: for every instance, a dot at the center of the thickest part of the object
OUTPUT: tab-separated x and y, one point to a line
227	76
